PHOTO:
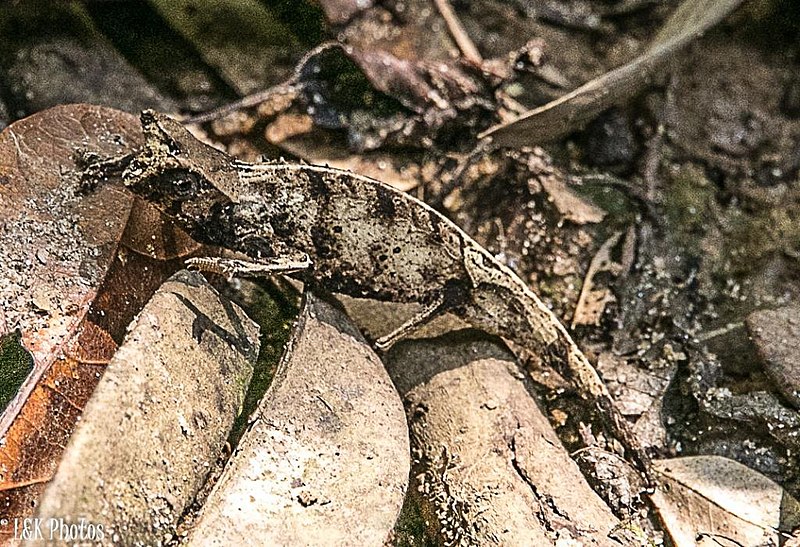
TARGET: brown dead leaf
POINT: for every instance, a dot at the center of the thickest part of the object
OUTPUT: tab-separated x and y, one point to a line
325	459
399	101
570	112
59	282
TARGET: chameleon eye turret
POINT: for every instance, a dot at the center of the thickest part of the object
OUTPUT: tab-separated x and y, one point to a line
181	185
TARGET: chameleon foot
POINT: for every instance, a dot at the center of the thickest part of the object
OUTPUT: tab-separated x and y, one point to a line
95	170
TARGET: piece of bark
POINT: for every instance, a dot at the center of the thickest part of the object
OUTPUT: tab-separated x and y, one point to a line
776	333
326	459
159	418
491	467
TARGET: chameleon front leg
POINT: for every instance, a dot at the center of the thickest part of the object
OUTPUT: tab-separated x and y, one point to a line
96	169
233	267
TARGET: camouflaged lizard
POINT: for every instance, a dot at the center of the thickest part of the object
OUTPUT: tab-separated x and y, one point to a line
350	234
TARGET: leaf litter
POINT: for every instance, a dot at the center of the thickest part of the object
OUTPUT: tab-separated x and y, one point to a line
658	303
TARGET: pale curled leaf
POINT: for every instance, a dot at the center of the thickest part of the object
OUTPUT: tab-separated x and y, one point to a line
568	113
714	497
482	439
325	460
493	469
159	417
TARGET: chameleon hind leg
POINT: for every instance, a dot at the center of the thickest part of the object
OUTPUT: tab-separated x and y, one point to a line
448	298
425	316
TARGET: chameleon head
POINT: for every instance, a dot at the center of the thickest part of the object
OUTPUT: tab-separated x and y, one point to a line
188	180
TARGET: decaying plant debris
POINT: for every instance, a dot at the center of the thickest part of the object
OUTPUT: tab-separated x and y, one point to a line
664	231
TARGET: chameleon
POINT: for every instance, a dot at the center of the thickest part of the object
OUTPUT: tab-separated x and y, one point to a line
346	233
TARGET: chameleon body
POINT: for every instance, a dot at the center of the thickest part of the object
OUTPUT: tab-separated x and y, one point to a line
354	235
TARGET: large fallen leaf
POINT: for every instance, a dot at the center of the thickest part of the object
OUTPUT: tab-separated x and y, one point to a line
60	285
325	460
158	420
570	112
489	466
710	500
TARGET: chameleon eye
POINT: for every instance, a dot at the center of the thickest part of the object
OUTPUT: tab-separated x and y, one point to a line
182	184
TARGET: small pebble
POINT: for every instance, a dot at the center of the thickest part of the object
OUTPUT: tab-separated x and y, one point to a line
41	256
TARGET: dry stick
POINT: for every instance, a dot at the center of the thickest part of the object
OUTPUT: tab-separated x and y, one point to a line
457	31
285	88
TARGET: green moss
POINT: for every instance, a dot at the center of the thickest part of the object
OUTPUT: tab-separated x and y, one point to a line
15	365
753	237
275	313
413	527
688	204
621	209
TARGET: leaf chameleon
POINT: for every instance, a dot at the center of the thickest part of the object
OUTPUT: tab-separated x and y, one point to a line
349	234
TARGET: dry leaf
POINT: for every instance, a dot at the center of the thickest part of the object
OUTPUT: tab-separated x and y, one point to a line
159	417
721	500
59	283
569	204
325	460
488	455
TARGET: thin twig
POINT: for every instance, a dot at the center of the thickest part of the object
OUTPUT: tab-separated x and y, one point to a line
245	102
457	31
